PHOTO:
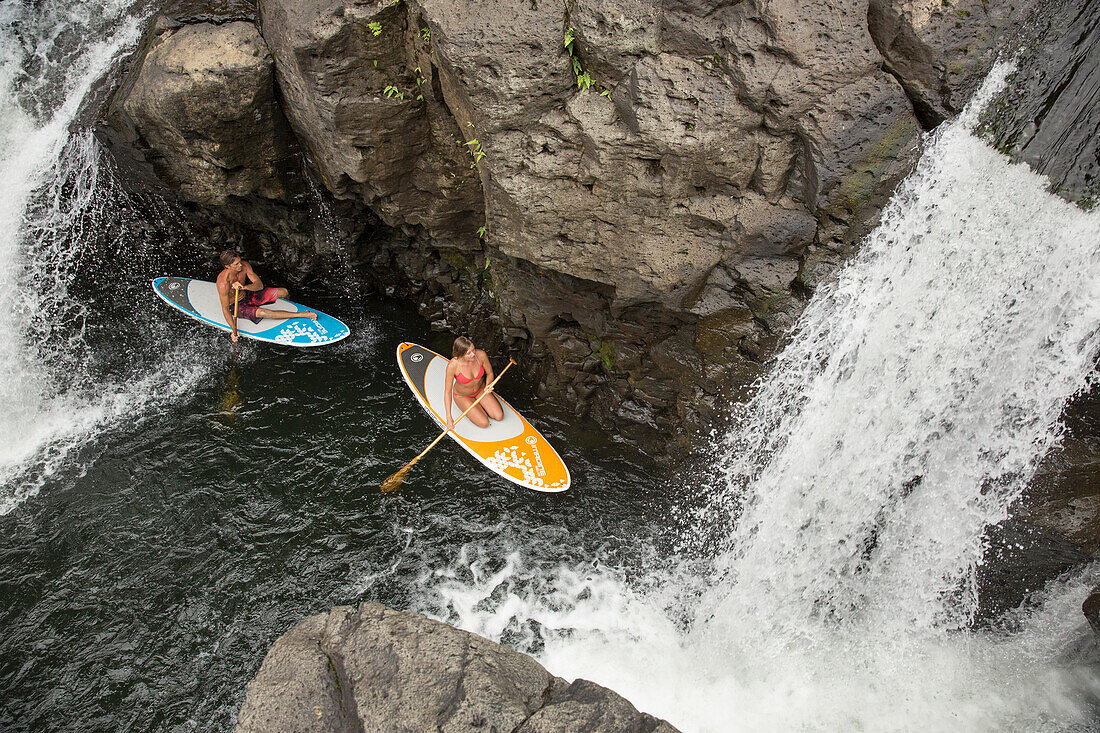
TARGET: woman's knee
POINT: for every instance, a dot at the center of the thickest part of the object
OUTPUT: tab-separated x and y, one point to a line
282	293
479	418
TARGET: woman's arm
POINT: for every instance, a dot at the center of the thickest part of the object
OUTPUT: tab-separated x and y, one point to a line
489	376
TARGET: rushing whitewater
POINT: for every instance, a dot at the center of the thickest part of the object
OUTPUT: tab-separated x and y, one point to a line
908	412
56	204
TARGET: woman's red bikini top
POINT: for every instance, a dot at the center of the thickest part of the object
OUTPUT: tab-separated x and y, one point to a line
465	380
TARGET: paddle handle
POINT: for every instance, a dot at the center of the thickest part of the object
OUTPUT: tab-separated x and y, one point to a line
482	395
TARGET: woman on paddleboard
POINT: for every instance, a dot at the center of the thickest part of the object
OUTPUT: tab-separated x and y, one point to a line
468	373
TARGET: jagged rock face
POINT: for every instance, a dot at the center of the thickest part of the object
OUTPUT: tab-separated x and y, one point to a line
666	225
356	85
204	107
937	50
374	668
648	241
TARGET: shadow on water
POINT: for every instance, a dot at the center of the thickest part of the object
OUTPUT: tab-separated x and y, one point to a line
141	588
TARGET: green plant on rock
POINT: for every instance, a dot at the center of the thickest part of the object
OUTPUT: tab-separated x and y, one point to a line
584	79
391	91
481	232
606	354
474	147
426	35
375	27
455	260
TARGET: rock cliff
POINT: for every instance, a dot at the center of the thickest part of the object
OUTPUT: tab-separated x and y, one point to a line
373	668
1047	116
636	196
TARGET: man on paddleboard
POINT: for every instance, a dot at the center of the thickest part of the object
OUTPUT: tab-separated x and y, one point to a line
239	282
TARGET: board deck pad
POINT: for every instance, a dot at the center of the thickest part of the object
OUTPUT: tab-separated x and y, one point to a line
199	299
510	447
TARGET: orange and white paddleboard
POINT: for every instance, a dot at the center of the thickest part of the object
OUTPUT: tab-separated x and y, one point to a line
510	447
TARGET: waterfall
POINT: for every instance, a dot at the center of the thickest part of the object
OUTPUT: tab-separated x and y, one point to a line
56	202
914	401
828	579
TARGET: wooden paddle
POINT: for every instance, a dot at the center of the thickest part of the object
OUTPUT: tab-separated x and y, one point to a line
236	300
394	481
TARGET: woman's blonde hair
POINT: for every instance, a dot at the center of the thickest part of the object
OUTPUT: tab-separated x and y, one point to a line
462	345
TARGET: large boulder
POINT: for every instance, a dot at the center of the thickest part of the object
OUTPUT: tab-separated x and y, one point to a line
673	217
202	106
373	668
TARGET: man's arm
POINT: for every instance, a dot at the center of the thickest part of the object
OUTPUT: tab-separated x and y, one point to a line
223	295
254	281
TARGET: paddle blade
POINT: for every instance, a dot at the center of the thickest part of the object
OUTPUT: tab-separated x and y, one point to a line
393	483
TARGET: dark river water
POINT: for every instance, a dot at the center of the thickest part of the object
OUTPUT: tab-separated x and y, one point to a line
143	584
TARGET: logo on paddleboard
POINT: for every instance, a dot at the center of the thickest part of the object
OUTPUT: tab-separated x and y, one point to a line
417	357
173	285
531	440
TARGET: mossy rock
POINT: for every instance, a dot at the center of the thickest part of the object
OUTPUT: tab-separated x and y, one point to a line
722	330
456	259
856	190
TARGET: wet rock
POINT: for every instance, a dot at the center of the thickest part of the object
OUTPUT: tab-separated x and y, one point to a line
1048	116
1019	560
1063	499
1064	495
1091	609
189	12
373	668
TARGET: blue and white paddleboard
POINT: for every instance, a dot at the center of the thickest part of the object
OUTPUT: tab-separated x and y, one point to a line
199	300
